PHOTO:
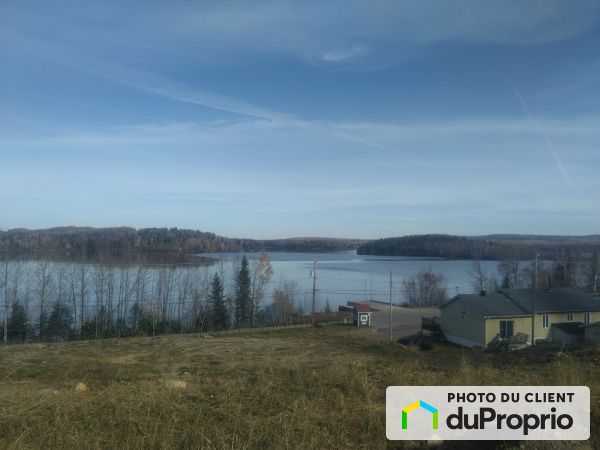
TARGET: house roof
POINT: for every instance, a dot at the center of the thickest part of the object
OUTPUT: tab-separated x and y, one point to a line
570	327
490	305
360	307
554	300
517	302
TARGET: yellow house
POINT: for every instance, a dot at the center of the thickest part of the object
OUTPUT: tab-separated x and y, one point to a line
477	319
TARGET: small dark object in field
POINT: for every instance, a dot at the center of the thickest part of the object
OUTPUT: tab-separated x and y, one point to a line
425	344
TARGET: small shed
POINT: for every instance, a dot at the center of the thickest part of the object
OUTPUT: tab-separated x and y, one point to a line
592	332
567	332
361	316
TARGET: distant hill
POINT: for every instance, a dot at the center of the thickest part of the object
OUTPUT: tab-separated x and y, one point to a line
94	241
493	247
91	242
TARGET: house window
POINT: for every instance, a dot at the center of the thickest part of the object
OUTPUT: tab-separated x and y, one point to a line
586	318
506	328
545	321
569	317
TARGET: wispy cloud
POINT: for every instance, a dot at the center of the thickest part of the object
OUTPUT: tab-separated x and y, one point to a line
324	32
306	28
345	54
164	87
542	133
392	138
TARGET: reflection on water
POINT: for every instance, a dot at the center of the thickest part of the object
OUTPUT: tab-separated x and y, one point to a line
115	258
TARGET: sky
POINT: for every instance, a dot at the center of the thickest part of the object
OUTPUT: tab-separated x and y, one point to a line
272	119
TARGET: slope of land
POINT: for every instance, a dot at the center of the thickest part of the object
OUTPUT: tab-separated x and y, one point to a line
280	389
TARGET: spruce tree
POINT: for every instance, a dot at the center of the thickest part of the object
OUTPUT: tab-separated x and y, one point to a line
217	302
17	323
59	322
243	296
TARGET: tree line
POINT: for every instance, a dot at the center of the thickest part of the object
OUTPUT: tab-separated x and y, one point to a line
124	241
57	301
429	289
493	247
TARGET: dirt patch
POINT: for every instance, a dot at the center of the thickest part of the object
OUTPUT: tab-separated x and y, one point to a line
123	359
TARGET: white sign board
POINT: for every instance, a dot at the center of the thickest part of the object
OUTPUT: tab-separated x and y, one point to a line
488	413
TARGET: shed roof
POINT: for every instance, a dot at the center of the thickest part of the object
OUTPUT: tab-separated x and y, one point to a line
554	300
490	305
360	307
570	327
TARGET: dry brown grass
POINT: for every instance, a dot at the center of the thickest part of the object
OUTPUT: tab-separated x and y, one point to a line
281	389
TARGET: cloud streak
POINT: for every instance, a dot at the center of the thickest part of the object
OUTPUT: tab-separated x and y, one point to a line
164	87
540	130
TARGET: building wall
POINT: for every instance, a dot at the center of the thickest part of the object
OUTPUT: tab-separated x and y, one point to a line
461	325
521	325
544	333
361	319
559	336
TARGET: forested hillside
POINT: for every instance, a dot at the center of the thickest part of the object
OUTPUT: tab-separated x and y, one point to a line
97	241
492	247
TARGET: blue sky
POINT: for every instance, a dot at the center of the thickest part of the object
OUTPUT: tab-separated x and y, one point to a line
279	118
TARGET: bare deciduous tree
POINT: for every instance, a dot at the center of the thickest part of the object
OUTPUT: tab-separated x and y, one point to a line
425	289
284	302
262	271
479	276
43	282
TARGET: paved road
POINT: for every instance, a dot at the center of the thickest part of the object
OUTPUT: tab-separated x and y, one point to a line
405	321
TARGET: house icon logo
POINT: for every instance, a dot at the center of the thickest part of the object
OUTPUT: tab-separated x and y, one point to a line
426	406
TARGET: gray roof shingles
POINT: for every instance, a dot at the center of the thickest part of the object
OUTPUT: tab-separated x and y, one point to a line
554	300
492	305
517	302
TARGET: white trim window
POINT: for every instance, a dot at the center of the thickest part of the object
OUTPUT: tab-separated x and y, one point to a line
569	317
545	321
587	318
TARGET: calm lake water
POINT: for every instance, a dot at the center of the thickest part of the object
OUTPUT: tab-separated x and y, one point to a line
347	276
177	287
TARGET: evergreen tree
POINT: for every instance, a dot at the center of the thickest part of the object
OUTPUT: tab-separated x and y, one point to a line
217	302
136	318
59	322
17	323
243	295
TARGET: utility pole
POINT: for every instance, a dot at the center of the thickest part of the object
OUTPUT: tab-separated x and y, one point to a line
372	289
314	296
534	285
391	336
365	289
5	294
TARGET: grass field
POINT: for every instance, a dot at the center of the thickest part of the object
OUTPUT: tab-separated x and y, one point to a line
281	389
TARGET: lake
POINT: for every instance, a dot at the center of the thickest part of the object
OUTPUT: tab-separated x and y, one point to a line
178	287
343	277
